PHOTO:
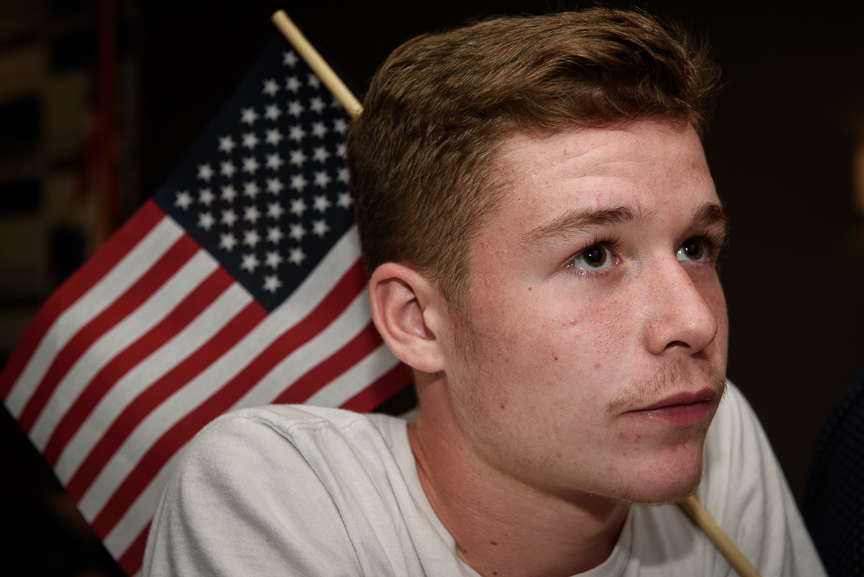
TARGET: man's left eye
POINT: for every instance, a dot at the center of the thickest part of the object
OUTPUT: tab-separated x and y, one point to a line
692	250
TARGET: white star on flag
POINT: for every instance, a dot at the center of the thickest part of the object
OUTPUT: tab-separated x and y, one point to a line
273	259
320	154
271	283
289	58
274	161
313	81
321	203
273	137
184	199
297	232
274	234
340	126
250	262
344	200
227	169
298	183
295	109
298	206
318	129
229	217
292	84
227	241
250	165
206	196
251	190
228	193
251	238
205	173
322	179
296	255
342	175
319	227
270	87
298	158
251	214
274	186
248	116
272	112
316	105
206	220
296	133
275	210
226	144
250	141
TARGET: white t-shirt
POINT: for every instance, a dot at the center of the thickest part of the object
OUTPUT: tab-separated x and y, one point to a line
299	490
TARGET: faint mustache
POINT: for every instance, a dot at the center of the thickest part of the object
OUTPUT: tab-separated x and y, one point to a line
669	379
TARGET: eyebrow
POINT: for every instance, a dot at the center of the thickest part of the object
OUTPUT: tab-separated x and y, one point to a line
579	220
712	214
706	215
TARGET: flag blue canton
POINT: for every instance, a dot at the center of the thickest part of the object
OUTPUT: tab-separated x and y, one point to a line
265	187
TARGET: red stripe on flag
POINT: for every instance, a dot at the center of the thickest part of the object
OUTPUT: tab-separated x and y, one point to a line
324	372
382	389
178	319
170	262
336	301
133	558
145	403
94	270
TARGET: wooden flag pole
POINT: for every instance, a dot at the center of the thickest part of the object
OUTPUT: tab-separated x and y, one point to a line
352	106
318	65
723	543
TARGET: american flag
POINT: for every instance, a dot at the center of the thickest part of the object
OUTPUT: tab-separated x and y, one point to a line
238	284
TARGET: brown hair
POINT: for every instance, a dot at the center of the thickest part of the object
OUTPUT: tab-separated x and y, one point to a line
422	153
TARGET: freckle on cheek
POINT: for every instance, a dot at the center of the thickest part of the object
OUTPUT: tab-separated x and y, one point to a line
637	438
502	405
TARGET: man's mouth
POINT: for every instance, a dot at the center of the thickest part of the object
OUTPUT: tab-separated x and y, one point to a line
680	409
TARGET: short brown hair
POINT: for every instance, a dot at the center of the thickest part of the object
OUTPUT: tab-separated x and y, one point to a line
422	153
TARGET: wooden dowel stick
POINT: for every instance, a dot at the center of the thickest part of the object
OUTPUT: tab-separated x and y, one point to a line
723	543
318	65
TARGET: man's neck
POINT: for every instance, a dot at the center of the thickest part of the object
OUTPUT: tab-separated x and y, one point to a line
502	527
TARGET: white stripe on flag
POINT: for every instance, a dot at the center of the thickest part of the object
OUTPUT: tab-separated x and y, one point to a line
140	513
306	357
318	283
124	333
147	372
305	298
355	379
94	301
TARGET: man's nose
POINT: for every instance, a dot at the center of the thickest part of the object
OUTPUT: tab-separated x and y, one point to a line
677	314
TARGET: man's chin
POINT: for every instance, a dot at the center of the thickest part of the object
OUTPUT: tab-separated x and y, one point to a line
666	495
660	484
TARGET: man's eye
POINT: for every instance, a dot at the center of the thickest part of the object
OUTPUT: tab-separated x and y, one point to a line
692	250
594	257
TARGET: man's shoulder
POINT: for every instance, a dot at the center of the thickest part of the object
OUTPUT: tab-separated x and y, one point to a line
271	432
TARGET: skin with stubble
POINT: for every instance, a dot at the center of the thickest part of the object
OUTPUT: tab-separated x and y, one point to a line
591	357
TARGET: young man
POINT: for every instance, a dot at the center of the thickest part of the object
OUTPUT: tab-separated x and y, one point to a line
541	231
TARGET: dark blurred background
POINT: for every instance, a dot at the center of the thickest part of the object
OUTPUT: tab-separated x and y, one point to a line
82	81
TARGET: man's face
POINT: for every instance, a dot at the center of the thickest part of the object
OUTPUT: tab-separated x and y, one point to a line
597	340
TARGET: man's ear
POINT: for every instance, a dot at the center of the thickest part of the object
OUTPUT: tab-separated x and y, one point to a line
407	309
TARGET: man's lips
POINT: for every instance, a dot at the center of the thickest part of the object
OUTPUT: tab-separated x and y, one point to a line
705	395
680	409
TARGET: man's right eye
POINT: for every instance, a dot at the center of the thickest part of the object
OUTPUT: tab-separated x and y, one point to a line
595	257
